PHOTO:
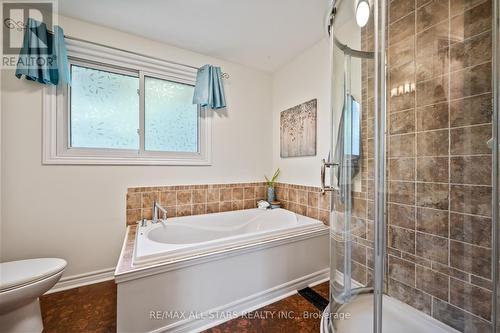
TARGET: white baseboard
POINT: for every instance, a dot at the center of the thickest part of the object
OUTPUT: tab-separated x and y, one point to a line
247	304
79	280
315	283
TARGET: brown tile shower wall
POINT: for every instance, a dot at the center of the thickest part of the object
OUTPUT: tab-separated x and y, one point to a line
204	199
360	233
439	166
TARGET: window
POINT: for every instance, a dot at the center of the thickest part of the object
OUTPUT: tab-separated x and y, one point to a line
171	120
124	108
103	109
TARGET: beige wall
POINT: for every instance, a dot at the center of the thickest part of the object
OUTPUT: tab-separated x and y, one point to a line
78	212
305	78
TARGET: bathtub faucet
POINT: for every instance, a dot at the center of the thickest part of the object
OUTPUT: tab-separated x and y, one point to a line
157	207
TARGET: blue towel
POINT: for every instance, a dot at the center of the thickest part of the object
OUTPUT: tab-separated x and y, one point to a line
209	91
61	56
347	154
43	56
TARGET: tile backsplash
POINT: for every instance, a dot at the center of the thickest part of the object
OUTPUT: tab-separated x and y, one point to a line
184	200
304	200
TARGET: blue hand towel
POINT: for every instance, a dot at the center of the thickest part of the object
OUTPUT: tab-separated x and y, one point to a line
43	56
209	91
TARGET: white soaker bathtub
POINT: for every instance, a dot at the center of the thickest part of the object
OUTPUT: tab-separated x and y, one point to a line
194	272
181	237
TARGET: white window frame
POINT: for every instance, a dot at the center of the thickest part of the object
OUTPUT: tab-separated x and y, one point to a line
56	147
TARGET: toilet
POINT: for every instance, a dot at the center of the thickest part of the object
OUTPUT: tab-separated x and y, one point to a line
21	283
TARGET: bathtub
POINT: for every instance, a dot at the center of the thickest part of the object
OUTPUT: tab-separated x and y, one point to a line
182	237
190	273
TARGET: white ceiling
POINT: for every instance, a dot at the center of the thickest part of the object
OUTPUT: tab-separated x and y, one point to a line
263	34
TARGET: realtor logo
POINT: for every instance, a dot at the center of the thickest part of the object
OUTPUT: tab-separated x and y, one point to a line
14	24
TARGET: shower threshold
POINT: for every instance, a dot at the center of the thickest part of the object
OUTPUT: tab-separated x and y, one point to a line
397	317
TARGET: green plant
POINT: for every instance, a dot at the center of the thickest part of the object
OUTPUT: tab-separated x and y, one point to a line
272	181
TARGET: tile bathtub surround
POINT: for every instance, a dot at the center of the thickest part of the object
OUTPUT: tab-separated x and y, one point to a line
184	200
204	199
439	166
304	200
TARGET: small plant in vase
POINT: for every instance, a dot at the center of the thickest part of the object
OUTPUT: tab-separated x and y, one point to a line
271	194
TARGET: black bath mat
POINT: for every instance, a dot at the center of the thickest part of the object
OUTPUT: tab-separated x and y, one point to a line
314	298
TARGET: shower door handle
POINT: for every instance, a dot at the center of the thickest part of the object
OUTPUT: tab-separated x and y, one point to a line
324	165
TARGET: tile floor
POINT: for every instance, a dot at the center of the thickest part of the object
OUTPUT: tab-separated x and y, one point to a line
92	309
89	309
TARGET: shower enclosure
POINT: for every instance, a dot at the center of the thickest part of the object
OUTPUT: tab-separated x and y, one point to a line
413	173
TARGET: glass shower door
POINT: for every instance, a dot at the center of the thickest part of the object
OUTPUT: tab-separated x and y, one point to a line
428	181
348	226
351	166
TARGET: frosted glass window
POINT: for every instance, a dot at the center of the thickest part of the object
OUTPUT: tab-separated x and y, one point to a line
104	109
171	120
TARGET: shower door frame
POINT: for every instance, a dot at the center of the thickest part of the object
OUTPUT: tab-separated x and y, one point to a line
495	164
380	105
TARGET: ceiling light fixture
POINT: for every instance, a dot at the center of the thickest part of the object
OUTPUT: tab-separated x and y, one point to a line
362	12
